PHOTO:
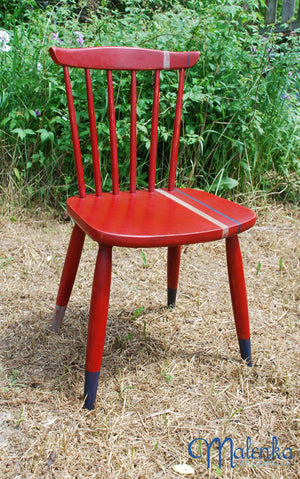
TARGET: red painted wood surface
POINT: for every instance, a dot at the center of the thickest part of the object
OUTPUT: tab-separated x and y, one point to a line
133	134
237	287
122	58
75	135
148	219
173	266
176	132
153	144
168	217
98	310
131	59
113	134
70	266
93	131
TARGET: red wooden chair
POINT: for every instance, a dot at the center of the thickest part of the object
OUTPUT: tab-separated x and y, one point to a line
168	217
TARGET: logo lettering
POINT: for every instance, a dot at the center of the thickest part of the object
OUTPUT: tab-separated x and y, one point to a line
254	456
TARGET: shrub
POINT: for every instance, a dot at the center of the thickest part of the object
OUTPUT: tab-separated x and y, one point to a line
240	128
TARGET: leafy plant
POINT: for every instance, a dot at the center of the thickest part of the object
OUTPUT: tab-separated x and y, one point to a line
240	123
20	419
138	312
13	380
5	261
281	264
258	267
144	259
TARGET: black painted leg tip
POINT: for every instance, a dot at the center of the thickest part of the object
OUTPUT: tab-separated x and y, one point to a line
245	349
90	389
172	297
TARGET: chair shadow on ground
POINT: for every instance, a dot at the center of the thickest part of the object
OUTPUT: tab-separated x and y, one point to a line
42	357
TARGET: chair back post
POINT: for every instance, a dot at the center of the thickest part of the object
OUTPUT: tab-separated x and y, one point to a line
133	133
113	134
93	133
74	133
176	132
153	141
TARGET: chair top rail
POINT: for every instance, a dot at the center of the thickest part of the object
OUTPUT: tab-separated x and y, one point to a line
123	58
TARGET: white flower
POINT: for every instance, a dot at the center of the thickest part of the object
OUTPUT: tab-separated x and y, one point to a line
39	66
4	36
4	39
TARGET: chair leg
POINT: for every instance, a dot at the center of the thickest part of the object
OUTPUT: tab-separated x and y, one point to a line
239	296
173	273
68	275
97	324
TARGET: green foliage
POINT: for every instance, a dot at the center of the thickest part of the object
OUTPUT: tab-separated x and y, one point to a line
138	312
146	264
14	10
258	267
240	125
14	380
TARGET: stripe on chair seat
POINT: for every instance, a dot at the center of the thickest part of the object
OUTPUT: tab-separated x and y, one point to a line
200	212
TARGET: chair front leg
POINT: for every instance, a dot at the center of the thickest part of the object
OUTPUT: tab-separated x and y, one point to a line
239	296
173	273
68	275
97	324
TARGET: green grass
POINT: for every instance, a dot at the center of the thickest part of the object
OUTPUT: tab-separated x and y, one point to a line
241	122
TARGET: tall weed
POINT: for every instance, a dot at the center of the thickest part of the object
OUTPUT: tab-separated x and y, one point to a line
240	128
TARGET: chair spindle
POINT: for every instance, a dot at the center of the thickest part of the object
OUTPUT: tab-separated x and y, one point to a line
153	144
93	133
176	132
113	134
74	133
133	134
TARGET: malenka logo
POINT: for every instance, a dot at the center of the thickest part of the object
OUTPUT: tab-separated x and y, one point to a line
248	455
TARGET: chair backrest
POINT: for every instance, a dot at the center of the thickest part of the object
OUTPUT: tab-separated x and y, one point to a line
132	59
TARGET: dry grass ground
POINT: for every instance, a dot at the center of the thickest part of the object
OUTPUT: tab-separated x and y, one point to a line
168	376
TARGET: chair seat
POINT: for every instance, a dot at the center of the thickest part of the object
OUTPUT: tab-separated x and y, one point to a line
161	218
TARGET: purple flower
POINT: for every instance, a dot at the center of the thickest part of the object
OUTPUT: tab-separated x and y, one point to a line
290	74
56	37
79	38
37	113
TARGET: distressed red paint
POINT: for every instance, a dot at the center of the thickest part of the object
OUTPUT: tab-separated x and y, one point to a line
139	218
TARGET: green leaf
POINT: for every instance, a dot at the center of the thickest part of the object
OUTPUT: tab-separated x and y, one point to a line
17	173
46	135
229	183
137	312
258	267
23	133
28	131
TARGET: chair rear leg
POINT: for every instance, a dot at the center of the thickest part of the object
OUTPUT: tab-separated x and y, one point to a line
97	324
173	273
68	275
239	296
